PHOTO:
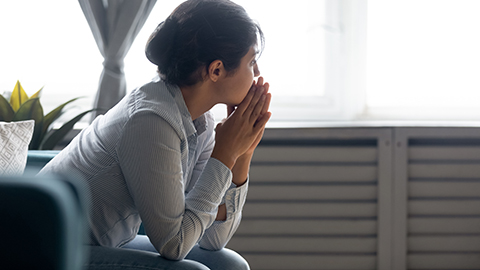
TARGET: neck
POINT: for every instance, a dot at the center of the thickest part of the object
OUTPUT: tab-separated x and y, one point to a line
198	99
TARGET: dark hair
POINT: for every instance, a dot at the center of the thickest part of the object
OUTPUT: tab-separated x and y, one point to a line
199	32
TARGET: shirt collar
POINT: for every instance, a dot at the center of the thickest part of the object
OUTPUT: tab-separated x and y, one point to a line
198	125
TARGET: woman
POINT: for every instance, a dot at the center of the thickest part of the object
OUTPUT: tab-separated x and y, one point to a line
154	158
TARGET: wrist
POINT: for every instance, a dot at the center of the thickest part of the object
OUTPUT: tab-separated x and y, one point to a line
225	158
241	169
247	157
240	183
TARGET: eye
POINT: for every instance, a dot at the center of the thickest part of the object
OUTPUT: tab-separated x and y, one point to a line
254	61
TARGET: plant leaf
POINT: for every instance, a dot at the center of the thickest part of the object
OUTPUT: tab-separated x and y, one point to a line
38	94
6	111
53	115
32	109
56	136
18	97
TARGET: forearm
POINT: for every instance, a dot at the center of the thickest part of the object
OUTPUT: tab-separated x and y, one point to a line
219	234
221	213
241	169
240	175
176	226
221	231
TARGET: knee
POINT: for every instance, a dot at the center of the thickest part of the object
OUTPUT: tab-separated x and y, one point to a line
220	259
234	260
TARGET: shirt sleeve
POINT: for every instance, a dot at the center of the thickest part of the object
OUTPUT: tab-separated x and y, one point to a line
150	156
217	236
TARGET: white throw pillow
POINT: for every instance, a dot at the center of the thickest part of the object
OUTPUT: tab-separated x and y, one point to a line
14	140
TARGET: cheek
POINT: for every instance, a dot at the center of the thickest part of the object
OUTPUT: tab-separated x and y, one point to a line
248	80
246	84
242	89
243	83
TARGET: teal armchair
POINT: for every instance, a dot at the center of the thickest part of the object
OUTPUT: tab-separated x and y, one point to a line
43	222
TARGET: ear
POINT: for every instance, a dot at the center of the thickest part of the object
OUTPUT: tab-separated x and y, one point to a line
216	70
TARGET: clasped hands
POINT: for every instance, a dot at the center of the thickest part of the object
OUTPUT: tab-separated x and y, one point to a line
239	134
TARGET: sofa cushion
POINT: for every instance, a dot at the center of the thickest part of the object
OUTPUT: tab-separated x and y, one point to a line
14	140
44	222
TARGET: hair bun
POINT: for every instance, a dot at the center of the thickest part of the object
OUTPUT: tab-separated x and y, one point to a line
159	49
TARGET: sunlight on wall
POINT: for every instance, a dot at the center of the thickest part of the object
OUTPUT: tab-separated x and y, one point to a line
423	53
48	43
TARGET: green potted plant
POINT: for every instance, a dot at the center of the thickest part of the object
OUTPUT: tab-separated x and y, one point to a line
20	107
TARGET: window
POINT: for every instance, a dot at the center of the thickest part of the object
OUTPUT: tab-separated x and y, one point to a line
304	79
57	50
48	44
423	59
324	59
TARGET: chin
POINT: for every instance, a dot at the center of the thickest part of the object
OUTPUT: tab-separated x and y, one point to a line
235	103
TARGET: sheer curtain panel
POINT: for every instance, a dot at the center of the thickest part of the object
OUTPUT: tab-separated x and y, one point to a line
114	24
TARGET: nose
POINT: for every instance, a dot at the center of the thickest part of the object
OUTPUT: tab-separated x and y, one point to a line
256	71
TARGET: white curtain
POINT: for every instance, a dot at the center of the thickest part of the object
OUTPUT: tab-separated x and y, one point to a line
114	24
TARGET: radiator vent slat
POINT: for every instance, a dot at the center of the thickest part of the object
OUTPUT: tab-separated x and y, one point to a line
306	192
443	204
311	205
303	173
308	227
285	261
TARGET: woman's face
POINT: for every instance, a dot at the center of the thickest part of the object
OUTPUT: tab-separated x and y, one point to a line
238	84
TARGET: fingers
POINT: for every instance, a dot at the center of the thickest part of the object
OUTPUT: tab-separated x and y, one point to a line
257	101
257	111
246	101
262	121
267	87
260	81
256	104
266	105
267	100
255	85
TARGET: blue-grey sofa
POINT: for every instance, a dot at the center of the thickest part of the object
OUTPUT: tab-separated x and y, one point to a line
38	158
43	222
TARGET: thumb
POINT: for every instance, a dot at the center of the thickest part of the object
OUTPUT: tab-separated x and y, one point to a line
219	125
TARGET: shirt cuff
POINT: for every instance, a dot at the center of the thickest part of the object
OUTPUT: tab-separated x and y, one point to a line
235	198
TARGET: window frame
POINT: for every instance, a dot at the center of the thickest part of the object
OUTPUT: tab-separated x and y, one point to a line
344	96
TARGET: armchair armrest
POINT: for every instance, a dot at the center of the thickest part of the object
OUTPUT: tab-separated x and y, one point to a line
36	159
44	222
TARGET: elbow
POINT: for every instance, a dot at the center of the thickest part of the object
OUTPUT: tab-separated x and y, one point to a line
172	256
212	248
174	252
212	244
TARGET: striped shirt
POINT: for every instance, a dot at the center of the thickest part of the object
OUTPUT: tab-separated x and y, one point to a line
146	161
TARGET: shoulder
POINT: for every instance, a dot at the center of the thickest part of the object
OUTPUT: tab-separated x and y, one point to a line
154	103
157	97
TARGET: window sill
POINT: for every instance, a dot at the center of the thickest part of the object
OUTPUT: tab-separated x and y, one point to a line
369	124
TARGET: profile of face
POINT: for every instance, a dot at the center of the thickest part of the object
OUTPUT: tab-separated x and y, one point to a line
236	86
197	32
